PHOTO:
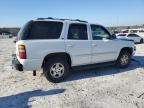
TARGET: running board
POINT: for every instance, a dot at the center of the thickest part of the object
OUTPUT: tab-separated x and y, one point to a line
94	65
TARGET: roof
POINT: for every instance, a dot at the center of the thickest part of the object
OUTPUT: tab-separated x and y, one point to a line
64	20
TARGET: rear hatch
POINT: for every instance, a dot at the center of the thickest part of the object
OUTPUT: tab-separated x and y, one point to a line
40	30
33	32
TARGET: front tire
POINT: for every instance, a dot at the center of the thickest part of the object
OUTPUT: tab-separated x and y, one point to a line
124	59
56	69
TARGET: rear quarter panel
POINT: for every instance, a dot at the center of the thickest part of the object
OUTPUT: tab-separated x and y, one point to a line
38	49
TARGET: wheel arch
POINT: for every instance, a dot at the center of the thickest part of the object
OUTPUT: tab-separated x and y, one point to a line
129	49
58	54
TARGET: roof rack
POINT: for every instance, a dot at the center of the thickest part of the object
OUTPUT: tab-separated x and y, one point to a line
44	18
80	20
62	19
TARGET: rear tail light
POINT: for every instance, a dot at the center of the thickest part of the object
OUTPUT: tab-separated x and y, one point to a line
22	51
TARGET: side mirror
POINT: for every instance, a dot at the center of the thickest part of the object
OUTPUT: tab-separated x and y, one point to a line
113	36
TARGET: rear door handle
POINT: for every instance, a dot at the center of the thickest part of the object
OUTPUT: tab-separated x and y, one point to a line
70	45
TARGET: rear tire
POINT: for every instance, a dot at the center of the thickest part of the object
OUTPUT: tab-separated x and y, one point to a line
124	59
56	69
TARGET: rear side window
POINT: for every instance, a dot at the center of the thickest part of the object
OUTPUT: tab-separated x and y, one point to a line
78	32
133	35
45	30
133	31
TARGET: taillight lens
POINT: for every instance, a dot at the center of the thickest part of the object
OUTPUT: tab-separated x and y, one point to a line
22	51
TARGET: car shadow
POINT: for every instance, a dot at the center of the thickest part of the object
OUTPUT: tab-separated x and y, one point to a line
137	62
21	100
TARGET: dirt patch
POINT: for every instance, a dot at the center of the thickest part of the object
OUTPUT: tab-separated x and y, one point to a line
107	87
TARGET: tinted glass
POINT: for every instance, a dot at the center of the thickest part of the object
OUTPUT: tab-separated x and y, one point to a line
99	33
23	33
77	32
141	31
133	35
45	30
122	35
133	31
126	31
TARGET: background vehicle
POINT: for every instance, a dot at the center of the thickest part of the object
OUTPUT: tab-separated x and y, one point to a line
130	36
58	45
5	35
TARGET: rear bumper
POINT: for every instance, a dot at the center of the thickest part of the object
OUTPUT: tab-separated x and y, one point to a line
30	64
16	64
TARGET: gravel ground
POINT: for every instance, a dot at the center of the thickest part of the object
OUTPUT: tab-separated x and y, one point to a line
107	87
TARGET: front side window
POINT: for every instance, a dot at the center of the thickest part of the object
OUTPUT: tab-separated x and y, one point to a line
77	32
99	33
45	30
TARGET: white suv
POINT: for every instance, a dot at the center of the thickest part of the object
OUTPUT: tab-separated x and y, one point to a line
58	45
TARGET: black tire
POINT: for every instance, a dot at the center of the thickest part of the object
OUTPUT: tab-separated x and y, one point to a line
141	41
120	62
47	69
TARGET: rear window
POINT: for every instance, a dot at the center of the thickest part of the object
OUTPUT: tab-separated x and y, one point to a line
41	30
23	33
45	30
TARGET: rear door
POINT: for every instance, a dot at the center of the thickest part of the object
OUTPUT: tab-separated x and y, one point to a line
42	38
78	44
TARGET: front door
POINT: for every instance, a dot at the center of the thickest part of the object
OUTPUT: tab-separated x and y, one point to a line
104	49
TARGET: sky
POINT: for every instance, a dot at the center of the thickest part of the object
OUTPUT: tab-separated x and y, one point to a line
15	13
